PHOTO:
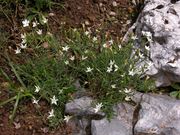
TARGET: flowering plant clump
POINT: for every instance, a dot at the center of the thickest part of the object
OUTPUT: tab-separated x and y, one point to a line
105	68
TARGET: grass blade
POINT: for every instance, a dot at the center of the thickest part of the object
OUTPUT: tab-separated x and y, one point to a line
15	107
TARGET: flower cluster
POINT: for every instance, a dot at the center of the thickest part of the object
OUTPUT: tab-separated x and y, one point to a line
26	23
148	35
98	107
112	67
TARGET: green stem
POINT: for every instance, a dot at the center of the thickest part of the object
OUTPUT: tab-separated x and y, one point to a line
15	72
7	101
15	106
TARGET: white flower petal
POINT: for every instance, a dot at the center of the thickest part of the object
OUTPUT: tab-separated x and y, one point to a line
67	118
51	114
54	100
39	32
98	107
17	51
25	23
88	69
37	89
66	48
113	86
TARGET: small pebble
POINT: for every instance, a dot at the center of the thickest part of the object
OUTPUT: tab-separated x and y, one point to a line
112	13
114	4
87	22
51	14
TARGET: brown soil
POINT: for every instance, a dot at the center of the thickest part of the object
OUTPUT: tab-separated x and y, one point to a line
29	120
100	15
106	16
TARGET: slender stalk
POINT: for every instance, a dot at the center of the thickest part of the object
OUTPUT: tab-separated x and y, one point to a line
15	106
15	72
7	101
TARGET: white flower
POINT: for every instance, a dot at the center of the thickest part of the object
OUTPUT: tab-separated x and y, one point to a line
98	107
72	58
39	32
109	69
135	57
66	62
51	114
105	45
149	64
86	82
88	69
148	35
25	23
23	36
116	68
66	48
60	91
67	118
128	21
127	98
111	42
134	37
131	72
120	91
122	75
112	62
83	57
34	101
94	39
86	51
113	86
139	72
37	89
23	46
119	46
44	20
54	100
34	24
23	41
18	50
149	39
86	33
147	48
141	55
127	90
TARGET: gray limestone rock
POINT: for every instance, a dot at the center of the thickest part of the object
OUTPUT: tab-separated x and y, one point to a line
82	107
121	124
159	115
78	106
83	112
161	19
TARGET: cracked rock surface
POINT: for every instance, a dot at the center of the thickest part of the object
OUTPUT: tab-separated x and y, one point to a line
159	115
121	124
152	115
162	19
